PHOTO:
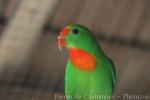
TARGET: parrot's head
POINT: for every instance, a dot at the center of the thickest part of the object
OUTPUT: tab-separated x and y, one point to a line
74	35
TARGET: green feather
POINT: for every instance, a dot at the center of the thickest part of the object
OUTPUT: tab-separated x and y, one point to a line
88	85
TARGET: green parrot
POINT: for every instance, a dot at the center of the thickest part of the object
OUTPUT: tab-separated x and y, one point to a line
90	74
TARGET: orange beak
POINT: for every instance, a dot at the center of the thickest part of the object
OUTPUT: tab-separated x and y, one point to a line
61	38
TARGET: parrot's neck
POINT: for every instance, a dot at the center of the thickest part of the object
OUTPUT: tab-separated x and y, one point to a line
82	59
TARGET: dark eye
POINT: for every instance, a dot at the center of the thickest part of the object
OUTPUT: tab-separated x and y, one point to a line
75	31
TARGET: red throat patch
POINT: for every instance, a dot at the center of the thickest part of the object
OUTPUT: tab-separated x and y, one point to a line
82	59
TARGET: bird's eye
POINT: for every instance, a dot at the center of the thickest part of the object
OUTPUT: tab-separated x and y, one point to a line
75	31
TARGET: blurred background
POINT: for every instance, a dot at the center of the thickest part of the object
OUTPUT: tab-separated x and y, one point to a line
31	65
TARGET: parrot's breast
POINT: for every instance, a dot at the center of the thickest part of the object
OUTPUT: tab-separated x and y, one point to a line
82	59
85	84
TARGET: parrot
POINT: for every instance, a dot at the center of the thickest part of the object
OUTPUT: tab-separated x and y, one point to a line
90	74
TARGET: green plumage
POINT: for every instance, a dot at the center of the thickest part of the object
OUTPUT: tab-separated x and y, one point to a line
88	85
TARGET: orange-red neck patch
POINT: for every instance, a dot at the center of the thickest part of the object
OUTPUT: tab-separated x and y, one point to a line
82	59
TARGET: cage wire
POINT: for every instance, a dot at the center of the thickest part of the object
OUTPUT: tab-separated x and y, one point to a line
32	67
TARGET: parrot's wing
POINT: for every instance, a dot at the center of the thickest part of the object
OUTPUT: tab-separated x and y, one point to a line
113	71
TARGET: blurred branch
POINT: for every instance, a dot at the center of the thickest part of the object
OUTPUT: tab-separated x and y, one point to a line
23	31
111	40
